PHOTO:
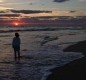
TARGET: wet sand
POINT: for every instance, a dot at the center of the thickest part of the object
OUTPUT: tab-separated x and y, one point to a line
75	70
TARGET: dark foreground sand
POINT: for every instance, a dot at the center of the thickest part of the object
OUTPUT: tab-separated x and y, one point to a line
75	70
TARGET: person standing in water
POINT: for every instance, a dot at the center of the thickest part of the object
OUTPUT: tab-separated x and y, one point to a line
16	46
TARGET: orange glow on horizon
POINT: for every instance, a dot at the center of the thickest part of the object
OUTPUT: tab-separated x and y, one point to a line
16	23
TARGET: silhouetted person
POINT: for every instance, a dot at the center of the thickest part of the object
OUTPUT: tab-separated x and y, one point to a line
16	46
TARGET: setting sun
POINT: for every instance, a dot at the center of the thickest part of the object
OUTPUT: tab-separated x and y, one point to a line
16	24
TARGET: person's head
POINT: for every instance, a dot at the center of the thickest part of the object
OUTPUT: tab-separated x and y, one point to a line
17	34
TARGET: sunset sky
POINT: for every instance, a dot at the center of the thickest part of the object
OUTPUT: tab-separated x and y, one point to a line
59	7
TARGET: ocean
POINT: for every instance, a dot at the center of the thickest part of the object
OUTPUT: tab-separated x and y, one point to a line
41	50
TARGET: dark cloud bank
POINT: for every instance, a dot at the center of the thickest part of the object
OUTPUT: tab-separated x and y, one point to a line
9	15
16	13
30	11
60	1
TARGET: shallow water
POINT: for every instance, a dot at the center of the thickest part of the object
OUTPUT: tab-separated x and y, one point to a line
37	59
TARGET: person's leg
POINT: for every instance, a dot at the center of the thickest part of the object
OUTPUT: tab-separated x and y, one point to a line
15	56
18	54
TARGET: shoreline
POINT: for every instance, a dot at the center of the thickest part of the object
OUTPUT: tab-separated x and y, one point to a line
75	70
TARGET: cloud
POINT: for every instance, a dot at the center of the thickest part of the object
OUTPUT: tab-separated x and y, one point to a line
60	1
72	11
2	12
9	15
29	11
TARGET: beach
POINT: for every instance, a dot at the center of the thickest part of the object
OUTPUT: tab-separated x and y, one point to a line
75	70
41	51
